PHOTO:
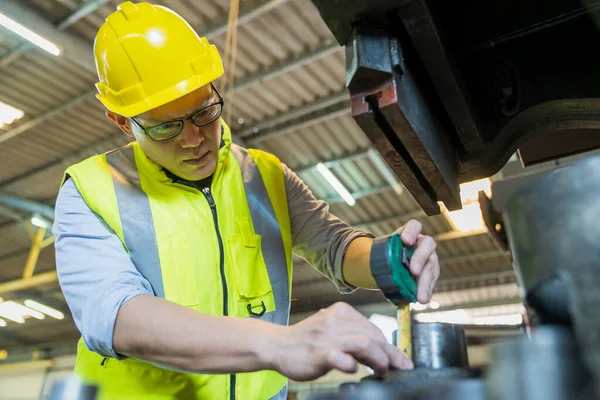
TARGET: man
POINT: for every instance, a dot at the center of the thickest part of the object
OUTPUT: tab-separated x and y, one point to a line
175	252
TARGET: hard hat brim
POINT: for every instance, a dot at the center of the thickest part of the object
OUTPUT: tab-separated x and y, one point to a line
161	98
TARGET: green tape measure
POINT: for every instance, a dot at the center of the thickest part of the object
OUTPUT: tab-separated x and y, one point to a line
390	266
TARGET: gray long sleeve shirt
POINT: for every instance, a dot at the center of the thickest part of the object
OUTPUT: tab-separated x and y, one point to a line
97	275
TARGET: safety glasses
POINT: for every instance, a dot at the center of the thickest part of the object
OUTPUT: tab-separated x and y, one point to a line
168	130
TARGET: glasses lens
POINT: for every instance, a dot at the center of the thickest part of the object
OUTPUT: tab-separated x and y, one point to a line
165	131
207	115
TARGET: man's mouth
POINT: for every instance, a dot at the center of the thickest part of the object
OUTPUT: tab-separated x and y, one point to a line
198	160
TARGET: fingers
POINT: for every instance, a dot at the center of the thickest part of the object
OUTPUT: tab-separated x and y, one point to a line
342	361
367	352
425	248
410	232
435	267
345	310
428	279
398	359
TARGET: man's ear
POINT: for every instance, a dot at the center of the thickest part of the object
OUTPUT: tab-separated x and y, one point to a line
122	122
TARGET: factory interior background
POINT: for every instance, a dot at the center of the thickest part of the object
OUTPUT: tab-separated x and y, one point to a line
288	96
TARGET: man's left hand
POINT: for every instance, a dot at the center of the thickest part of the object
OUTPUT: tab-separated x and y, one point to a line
424	263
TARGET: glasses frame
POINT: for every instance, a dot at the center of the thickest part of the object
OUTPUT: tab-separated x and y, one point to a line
182	120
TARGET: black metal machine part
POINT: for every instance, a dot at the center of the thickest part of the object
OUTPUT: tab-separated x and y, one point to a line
448	91
546	366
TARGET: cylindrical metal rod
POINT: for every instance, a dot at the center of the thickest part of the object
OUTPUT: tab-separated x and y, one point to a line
439	345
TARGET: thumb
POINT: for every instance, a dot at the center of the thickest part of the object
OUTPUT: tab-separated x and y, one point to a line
342	361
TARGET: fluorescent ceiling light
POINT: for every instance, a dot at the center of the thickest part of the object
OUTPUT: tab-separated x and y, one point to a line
29	35
9	114
40	222
16	311
336	184
45	309
11	314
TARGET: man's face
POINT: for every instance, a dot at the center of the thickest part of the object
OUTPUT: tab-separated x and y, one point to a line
192	154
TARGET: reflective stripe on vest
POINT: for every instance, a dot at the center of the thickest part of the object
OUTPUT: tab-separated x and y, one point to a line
281	395
136	218
140	238
266	225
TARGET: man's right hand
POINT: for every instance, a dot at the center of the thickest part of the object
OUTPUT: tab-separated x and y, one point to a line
337	337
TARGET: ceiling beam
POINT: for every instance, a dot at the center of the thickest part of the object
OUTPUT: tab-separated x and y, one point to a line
13	337
82	11
46	116
44	278
286	66
254	133
11	214
285	126
85	9
245	15
74	48
28	206
14	53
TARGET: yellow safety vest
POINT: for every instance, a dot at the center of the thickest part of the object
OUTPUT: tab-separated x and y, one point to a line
221	251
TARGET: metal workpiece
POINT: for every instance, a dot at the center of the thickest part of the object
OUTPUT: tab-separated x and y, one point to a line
439	345
72	388
549	236
439	354
547	366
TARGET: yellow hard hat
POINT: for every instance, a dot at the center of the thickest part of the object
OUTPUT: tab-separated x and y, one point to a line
147	55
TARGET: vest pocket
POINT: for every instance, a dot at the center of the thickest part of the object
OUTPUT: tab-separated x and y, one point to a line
251	278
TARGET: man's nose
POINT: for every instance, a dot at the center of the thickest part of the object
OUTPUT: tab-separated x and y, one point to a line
190	136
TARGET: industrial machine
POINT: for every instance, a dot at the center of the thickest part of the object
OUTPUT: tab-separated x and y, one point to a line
447	92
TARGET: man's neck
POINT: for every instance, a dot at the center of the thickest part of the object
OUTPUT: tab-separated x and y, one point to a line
202	183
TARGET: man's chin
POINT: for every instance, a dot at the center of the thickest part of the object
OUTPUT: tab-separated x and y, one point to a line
197	172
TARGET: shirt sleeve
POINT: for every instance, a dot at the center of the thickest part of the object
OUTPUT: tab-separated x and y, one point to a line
94	270
318	236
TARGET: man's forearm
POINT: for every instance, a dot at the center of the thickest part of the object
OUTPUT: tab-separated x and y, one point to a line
356	267
172	336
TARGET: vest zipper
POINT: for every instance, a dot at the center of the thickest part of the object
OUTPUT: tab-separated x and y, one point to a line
213	208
